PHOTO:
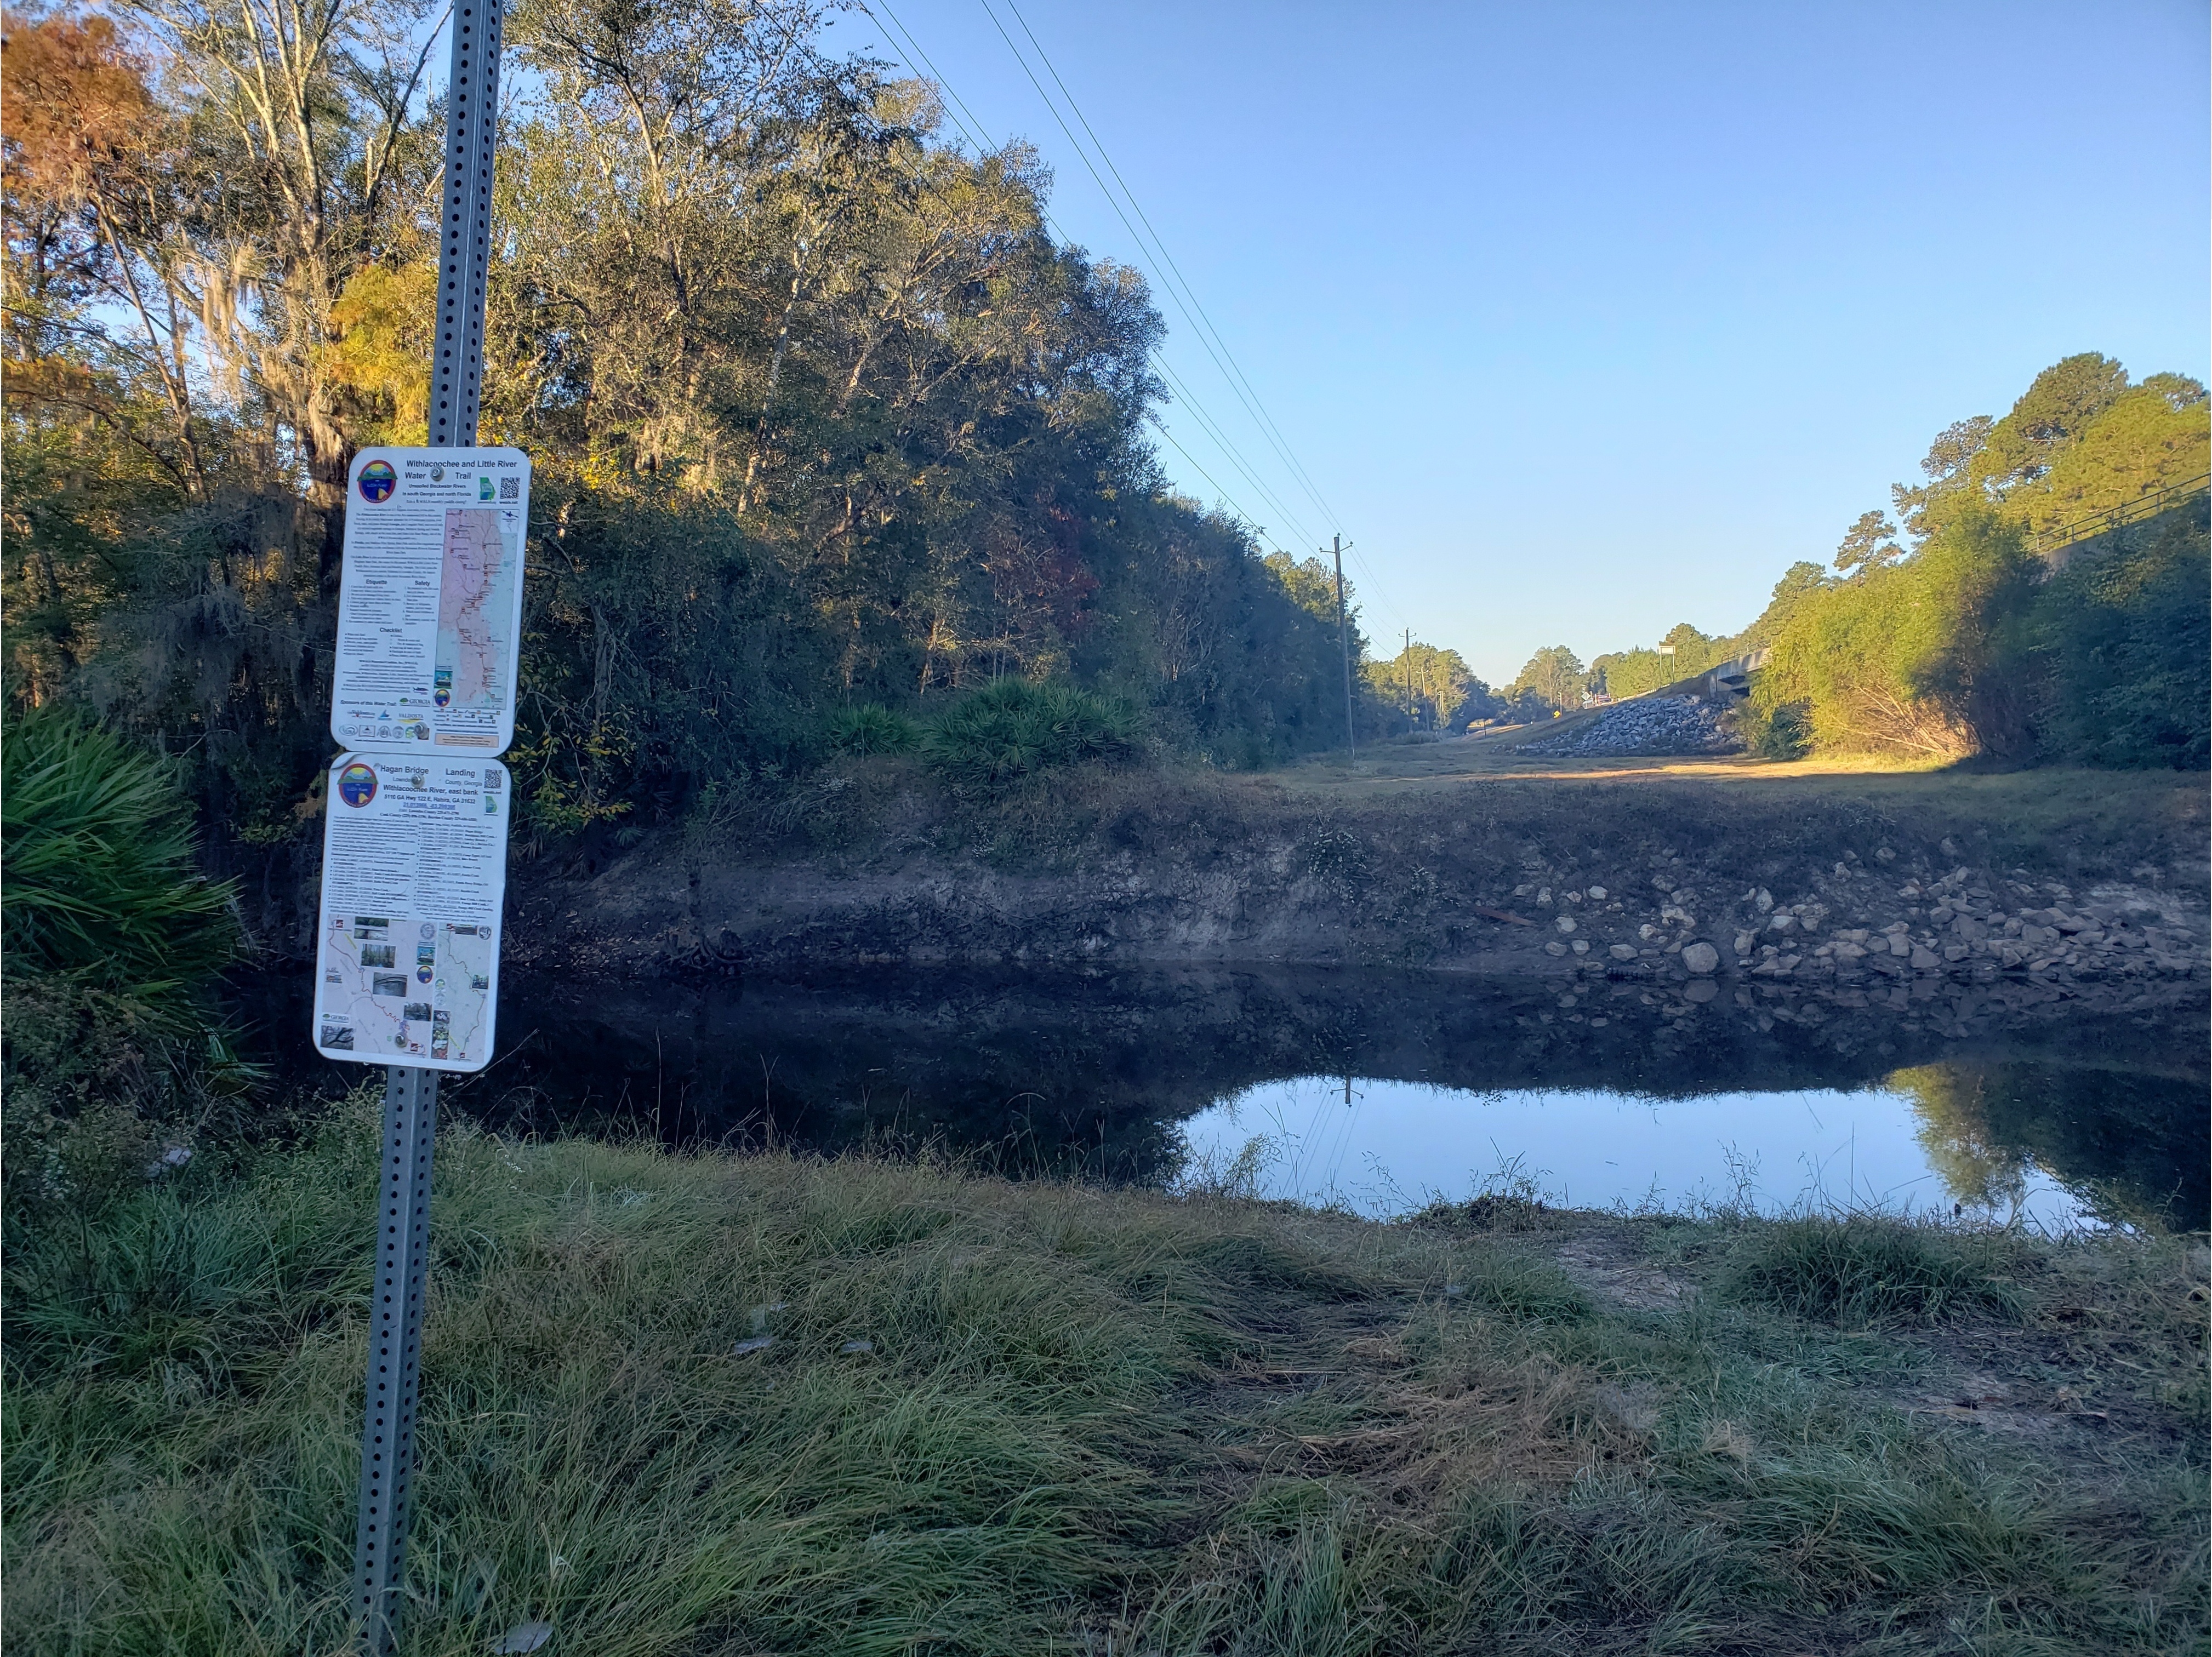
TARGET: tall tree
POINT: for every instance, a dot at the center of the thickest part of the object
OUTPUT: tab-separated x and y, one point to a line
1554	673
1870	543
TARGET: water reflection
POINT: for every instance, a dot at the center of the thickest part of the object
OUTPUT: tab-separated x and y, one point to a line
1381	1147
1984	1097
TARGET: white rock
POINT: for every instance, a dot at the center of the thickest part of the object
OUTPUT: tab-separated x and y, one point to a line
1701	958
1623	952
1564	923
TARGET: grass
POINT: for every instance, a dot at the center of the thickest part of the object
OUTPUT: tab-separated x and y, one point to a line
1855	1270
1082	1417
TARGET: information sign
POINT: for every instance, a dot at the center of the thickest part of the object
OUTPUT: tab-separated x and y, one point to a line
430	600
414	872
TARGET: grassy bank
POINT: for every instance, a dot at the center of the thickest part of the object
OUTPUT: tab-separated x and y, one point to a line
2067	821
994	1417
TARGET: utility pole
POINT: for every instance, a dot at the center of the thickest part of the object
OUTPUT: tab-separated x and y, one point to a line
1409	676
1344	639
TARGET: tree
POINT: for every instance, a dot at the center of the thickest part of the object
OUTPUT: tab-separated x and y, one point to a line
2058	406
1555	674
1434	681
1948	466
1798	583
2150	437
1869	544
825	415
1920	657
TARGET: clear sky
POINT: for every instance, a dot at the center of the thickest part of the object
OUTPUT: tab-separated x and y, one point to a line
1587	318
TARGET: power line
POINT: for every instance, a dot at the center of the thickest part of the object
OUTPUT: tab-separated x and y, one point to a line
1202	472
976	136
1158	253
1221	440
1269	429
1194	312
973	128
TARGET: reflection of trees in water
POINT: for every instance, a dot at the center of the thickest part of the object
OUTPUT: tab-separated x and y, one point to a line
1093	1073
2135	1145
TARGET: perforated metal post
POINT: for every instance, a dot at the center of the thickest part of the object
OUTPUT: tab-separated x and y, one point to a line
471	128
411	1095
395	1350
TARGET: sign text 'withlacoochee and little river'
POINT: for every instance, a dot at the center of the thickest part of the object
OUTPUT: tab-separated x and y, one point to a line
416	808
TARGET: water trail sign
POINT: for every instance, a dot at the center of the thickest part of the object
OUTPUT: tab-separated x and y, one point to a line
413	873
430	601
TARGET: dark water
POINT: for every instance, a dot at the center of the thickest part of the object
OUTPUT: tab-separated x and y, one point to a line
1375	1089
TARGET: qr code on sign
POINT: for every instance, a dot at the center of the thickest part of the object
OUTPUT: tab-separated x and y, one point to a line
510	489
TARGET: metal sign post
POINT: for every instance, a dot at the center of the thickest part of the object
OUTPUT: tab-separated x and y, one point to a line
410	1093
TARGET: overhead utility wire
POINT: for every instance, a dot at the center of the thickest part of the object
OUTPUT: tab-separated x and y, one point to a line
977	134
1258	408
1201	470
1198	329
1201	324
1207	424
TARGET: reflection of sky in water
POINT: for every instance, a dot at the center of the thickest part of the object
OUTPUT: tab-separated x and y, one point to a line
1398	1143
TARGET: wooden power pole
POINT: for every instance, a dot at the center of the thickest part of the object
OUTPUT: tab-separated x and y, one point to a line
1409	676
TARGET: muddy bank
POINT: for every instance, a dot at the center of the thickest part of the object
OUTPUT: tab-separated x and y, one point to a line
1661	896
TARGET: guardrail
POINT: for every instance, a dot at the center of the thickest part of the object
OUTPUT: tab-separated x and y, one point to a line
2149	505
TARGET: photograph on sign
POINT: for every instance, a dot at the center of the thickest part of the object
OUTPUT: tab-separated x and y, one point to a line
430	600
407	947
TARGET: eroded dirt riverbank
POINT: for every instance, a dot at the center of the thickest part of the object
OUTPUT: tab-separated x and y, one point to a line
1660	883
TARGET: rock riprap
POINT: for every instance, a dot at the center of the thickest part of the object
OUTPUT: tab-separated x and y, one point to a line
1648	725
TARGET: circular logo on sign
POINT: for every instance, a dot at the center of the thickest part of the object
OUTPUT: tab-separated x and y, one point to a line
357	784
377	481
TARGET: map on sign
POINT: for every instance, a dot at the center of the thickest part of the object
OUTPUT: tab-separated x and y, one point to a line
475	661
414	877
430	600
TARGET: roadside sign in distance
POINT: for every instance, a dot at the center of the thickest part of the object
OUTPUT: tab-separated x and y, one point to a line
407	942
430	601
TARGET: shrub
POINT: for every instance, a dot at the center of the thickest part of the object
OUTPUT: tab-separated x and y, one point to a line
1777	731
112	941
1926	657
1860	1269
97	839
2126	634
872	728
1012	730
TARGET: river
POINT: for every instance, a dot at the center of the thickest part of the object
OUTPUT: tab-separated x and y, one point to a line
1376	1090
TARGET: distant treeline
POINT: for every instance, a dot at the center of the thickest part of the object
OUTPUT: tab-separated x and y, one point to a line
1962	625
823	418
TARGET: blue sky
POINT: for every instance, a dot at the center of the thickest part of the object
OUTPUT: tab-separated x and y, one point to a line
1588	318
